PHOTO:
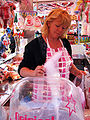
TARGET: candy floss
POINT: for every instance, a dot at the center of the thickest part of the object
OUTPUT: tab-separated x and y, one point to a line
36	98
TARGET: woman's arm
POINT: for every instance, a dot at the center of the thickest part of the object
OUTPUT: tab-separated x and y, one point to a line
75	71
26	72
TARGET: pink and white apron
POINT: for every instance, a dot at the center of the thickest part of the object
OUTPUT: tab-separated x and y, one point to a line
64	62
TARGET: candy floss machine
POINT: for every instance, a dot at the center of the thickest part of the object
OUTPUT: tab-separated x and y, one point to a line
45	98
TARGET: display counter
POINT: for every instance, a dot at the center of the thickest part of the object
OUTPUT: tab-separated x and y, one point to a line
8	76
81	59
81	62
6	89
9	57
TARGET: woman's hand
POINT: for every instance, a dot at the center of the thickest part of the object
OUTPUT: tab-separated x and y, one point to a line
26	72
80	73
39	71
77	72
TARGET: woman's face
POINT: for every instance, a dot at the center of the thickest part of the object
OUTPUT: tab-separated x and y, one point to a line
56	29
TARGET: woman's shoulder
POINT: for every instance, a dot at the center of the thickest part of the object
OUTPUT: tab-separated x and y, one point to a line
35	42
67	45
65	40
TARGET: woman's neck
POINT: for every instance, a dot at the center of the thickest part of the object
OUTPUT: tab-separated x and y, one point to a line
54	43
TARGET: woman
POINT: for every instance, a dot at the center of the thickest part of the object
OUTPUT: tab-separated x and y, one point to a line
52	40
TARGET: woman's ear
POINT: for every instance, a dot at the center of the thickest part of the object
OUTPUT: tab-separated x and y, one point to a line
48	23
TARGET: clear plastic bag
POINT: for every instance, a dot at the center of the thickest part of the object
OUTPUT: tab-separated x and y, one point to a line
3	113
44	98
87	88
